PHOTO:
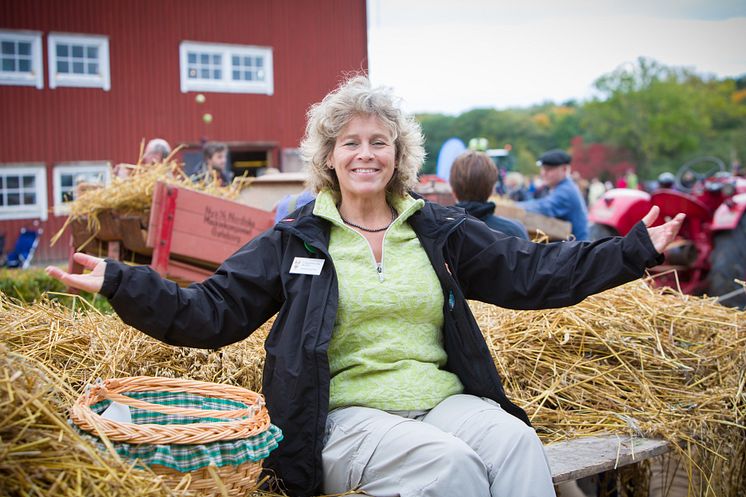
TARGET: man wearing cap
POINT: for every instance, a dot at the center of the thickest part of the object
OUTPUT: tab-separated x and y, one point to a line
564	200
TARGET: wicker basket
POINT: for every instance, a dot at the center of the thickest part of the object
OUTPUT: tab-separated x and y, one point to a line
204	426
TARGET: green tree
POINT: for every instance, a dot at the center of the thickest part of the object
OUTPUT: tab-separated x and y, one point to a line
525	161
565	125
653	111
662	116
725	102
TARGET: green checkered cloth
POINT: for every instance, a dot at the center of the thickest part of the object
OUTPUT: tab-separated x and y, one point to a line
188	457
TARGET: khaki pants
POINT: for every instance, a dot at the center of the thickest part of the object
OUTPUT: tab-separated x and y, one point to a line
465	446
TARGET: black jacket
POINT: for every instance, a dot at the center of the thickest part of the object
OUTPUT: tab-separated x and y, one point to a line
471	261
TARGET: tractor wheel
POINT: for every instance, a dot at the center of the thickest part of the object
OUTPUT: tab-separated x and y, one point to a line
598	231
728	262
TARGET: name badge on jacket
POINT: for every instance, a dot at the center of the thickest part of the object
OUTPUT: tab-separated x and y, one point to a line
305	265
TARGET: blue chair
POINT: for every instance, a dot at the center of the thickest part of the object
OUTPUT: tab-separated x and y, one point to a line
23	252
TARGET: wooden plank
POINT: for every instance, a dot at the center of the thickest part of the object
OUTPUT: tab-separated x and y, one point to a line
264	192
134	235
166	212
210	229
185	274
114	250
555	229
156	214
109	227
199	226
581	457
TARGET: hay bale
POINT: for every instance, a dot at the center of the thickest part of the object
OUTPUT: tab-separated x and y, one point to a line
633	360
41	454
85	344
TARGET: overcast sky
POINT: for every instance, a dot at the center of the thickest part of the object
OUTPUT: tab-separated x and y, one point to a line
450	56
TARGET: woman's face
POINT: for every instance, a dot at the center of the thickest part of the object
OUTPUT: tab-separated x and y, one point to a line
364	157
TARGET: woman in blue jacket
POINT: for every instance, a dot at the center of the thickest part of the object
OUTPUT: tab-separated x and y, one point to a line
376	370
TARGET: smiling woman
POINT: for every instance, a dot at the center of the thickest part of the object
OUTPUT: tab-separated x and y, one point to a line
363	162
376	370
357	98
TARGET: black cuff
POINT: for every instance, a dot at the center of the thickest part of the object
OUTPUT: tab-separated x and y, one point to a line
112	278
653	257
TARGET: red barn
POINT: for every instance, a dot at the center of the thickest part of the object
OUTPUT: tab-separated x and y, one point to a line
83	82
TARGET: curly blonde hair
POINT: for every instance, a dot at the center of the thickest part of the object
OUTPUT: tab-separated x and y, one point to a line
351	98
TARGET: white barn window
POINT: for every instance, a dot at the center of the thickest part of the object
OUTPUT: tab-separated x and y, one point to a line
20	58
79	61
23	191
218	67
68	177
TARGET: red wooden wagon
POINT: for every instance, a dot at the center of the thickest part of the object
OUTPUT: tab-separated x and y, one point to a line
187	234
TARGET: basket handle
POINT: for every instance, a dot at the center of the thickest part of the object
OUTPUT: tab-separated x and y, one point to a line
182	411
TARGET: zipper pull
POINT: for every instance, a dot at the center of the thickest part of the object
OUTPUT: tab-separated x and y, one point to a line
379	270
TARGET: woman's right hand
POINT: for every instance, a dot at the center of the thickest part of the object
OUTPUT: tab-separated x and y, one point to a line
88	282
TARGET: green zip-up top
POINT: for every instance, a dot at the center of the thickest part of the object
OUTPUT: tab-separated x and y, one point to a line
386	349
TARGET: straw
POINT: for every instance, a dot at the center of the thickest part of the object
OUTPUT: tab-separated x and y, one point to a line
632	361
134	194
41	454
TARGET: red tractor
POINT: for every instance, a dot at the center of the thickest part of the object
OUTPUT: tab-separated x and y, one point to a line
709	254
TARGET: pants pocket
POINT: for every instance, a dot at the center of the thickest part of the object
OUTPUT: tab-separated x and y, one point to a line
352	436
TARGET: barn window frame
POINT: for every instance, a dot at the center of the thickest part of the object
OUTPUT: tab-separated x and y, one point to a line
61	187
19	188
253	77
12	39
94	56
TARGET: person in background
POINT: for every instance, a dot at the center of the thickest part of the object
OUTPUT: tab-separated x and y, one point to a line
155	152
290	203
596	190
736	168
538	189
631	179
581	183
214	166
564	200
528	187
376	369
667	180
473	178
514	187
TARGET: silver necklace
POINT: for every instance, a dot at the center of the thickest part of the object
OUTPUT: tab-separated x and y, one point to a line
369	230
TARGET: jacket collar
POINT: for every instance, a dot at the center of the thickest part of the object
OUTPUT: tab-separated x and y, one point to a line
436	221
405	206
432	221
311	229
477	209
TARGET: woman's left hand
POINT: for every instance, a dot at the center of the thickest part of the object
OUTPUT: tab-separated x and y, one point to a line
664	234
